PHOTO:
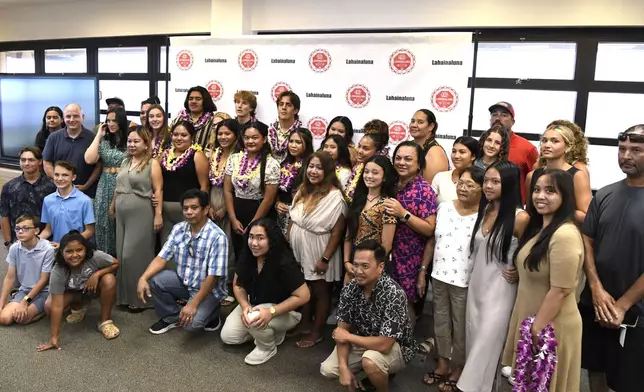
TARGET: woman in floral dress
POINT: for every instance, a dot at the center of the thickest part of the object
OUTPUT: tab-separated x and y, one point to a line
109	148
415	208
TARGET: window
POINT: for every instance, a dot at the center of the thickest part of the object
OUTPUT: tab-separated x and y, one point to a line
161	91
611	113
526	60
602	165
620	62
17	61
534	109
66	60
163	57
123	60
132	92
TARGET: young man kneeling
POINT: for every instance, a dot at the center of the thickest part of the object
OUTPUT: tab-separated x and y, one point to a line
375	307
30	261
80	273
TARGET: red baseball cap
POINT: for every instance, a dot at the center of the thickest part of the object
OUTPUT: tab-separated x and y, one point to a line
503	106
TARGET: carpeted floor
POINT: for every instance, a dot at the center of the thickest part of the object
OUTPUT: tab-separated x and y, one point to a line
138	361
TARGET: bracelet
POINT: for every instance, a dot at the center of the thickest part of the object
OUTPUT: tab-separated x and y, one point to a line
325	260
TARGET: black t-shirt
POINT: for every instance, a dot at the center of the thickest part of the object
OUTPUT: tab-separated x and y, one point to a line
275	286
615	221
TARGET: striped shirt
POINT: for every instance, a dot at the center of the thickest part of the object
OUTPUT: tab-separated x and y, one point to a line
199	256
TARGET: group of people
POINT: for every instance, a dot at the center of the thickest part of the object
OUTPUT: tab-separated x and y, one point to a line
210	211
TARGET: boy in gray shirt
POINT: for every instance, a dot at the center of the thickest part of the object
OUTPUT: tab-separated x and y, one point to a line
30	262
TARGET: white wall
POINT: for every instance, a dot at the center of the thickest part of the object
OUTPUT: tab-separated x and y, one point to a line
96	18
100	18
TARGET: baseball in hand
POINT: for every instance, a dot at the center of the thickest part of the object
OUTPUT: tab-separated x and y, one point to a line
251	316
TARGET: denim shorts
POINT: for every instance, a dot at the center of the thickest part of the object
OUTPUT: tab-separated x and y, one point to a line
38	302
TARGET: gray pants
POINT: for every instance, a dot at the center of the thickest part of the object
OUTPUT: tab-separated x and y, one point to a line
449	320
234	331
166	288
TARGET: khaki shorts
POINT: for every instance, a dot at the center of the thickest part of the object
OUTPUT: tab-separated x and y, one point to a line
388	363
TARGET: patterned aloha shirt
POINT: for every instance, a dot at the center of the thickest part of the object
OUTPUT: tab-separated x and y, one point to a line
19	197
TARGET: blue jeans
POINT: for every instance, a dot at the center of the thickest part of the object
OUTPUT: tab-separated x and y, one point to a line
166	288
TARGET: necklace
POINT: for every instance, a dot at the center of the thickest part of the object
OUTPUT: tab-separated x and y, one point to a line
370	200
199	124
247	169
352	181
157	147
216	172
288	172
171	162
278	146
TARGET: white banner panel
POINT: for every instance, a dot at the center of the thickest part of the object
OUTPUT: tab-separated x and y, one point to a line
360	76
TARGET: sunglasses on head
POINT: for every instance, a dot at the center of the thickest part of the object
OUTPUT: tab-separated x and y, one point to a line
634	137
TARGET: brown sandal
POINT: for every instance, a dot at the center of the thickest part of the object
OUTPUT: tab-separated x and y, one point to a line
109	330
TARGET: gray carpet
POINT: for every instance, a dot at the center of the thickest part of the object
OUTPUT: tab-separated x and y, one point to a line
138	361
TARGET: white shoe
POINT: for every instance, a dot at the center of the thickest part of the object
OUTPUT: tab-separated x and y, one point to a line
259	356
506	371
333	317
511	380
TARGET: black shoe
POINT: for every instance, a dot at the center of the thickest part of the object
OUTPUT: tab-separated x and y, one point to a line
213	326
162	327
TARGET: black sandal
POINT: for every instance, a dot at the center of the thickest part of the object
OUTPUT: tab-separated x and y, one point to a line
448	386
435	378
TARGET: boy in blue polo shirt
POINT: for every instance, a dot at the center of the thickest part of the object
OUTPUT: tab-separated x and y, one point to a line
68	208
30	262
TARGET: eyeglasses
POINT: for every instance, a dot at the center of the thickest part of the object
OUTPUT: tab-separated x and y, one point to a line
23	228
467	187
191	250
634	137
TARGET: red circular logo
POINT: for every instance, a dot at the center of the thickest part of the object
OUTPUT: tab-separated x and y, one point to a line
317	126
185	59
320	60
358	96
247	60
402	61
216	89
279	88
444	99
398	131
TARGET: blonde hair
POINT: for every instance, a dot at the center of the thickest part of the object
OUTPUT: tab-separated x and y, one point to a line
574	137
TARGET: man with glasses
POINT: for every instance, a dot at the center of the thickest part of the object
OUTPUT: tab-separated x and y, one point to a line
374	307
522	153
612	303
24	194
199	249
30	261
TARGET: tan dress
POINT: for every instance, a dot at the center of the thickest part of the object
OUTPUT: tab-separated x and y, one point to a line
566	254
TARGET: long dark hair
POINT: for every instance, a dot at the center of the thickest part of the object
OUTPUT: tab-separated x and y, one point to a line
233	126
330	179
348	128
118	139
279	253
208	103
307	138
387	189
500	237
73	235
43	134
563	184
266	149
344	158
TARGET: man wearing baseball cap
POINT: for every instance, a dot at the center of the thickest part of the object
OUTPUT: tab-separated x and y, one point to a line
522	153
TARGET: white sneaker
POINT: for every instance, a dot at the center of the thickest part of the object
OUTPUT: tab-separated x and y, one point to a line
506	371
259	356
333	317
511	380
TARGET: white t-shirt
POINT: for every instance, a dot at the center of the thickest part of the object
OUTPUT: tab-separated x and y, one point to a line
452	261
444	186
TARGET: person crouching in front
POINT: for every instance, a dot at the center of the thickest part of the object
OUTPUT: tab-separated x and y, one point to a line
374	306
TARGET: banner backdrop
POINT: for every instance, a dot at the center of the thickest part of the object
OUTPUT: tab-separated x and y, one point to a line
361	76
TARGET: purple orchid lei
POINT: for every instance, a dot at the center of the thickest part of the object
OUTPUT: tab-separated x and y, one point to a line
533	372
203	120
288	171
216	174
247	170
279	148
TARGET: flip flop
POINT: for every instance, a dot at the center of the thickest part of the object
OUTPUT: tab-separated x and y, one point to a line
435	378
309	343
229	300
427	346
448	386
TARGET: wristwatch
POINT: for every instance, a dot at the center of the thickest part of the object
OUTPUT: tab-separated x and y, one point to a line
28	299
272	310
325	260
7	243
406	217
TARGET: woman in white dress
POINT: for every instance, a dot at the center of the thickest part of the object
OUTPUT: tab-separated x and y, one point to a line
315	233
493	282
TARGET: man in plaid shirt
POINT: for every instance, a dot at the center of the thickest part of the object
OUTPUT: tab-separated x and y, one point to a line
199	249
